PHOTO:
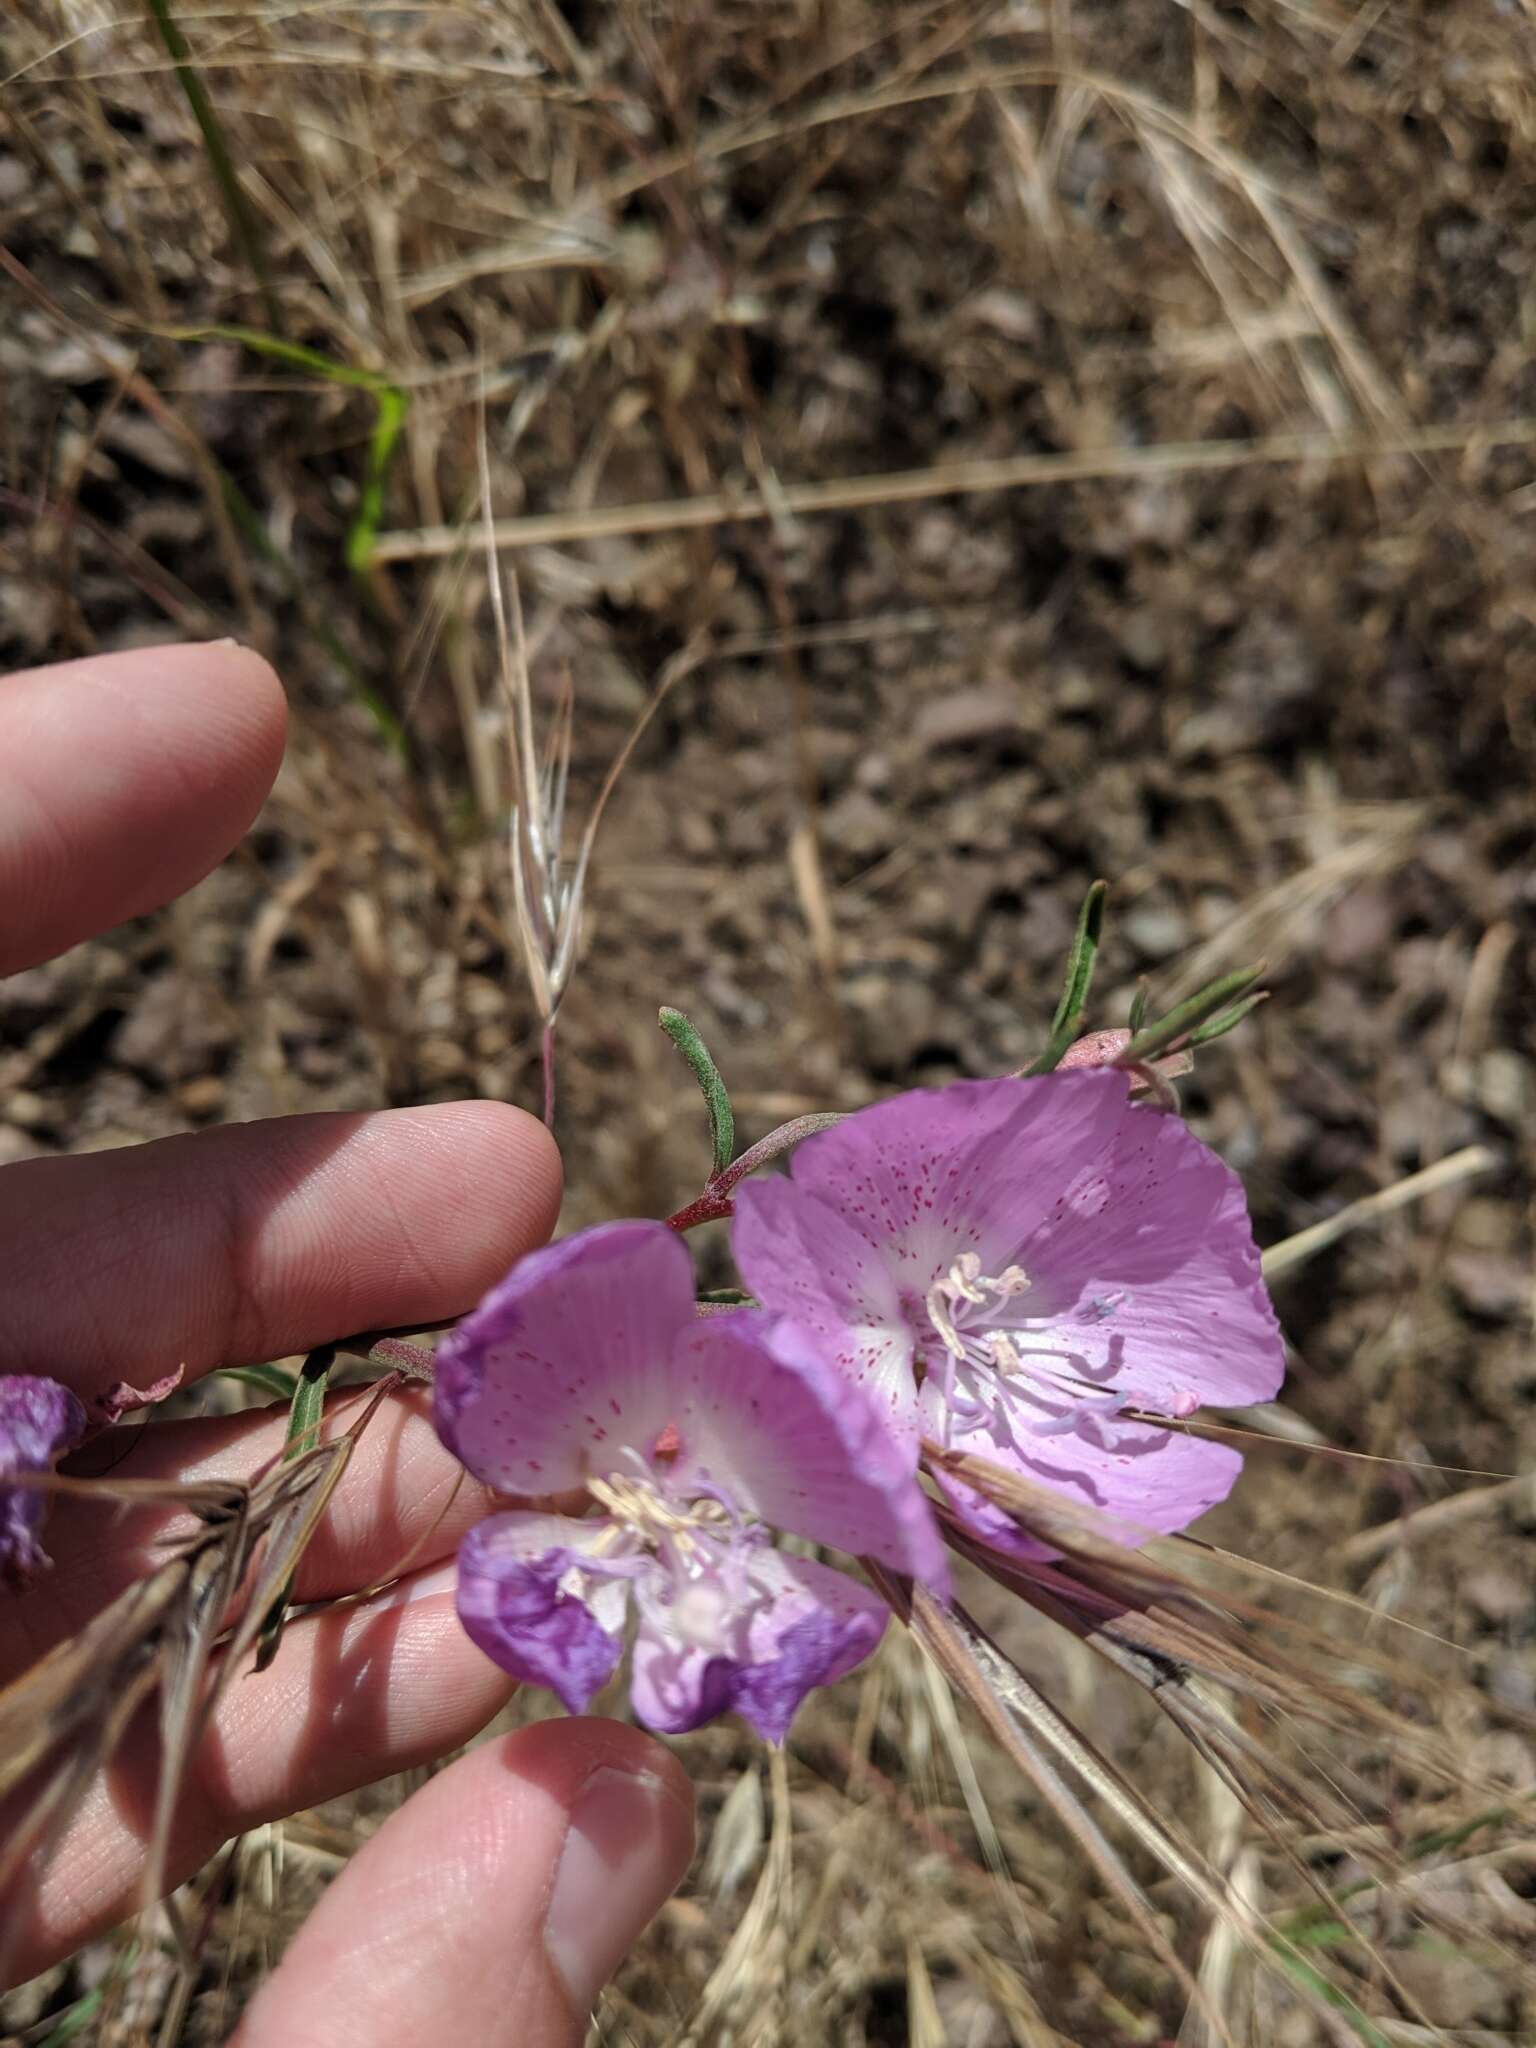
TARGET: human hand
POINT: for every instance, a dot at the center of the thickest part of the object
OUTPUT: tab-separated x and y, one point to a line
494	1904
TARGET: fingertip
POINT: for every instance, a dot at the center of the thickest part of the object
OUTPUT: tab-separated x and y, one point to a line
513	1164
564	1753
627	1847
124	778
254	698
510	1888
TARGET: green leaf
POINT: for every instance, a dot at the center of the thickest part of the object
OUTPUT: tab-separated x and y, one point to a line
1219	1026
270	1379
305	1412
1138	1015
1186	1017
722	1123
1085	947
308	1404
1065	1025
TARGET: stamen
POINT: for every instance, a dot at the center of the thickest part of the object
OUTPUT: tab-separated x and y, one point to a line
988	1371
656	1520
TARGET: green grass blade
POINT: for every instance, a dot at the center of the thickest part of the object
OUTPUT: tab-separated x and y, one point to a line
242	222
78	2016
269	1379
391	406
1302	1973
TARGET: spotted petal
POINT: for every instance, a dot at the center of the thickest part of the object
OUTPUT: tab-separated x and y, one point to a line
762	1414
1134	1236
560	1363
974	1167
805	1259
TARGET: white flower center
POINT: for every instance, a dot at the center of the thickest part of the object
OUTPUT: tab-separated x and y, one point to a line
999	1365
687	1557
646	1512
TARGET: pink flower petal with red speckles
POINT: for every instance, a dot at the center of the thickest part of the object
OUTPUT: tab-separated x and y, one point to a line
825	1274
695	1439
1055	1256
561	1360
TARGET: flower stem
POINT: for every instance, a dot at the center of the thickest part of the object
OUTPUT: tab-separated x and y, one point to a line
547	1054
715	1201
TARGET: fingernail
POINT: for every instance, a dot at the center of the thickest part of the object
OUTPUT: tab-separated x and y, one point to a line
613	1876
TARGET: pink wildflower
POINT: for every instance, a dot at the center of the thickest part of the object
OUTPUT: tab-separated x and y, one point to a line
1008	1266
39	1421
587	1367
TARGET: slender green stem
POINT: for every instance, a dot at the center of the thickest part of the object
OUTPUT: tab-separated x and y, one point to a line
242	222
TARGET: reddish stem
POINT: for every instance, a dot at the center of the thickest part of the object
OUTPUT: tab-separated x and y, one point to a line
716	1201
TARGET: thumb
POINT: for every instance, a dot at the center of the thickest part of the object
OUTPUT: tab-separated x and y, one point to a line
495	1904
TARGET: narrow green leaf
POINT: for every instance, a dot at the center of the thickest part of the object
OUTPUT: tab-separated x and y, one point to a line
269	1379
1186	1017
1219	1026
1080	961
722	1123
1303	1974
304	1416
364	530
1326	1934
242	222
1138	1015
75	2017
309	1401
1066	1024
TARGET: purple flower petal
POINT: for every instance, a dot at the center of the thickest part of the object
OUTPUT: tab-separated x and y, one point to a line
805	1260
39	1421
822	1626
511	1604
1143	1274
1148	1273
815	1626
566	1357
1137	1479
764	1415
972	1167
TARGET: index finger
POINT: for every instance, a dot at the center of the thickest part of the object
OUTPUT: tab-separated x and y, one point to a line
125	778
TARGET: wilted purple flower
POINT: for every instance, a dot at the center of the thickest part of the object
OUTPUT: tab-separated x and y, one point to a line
39	1421
588	1367
1008	1266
